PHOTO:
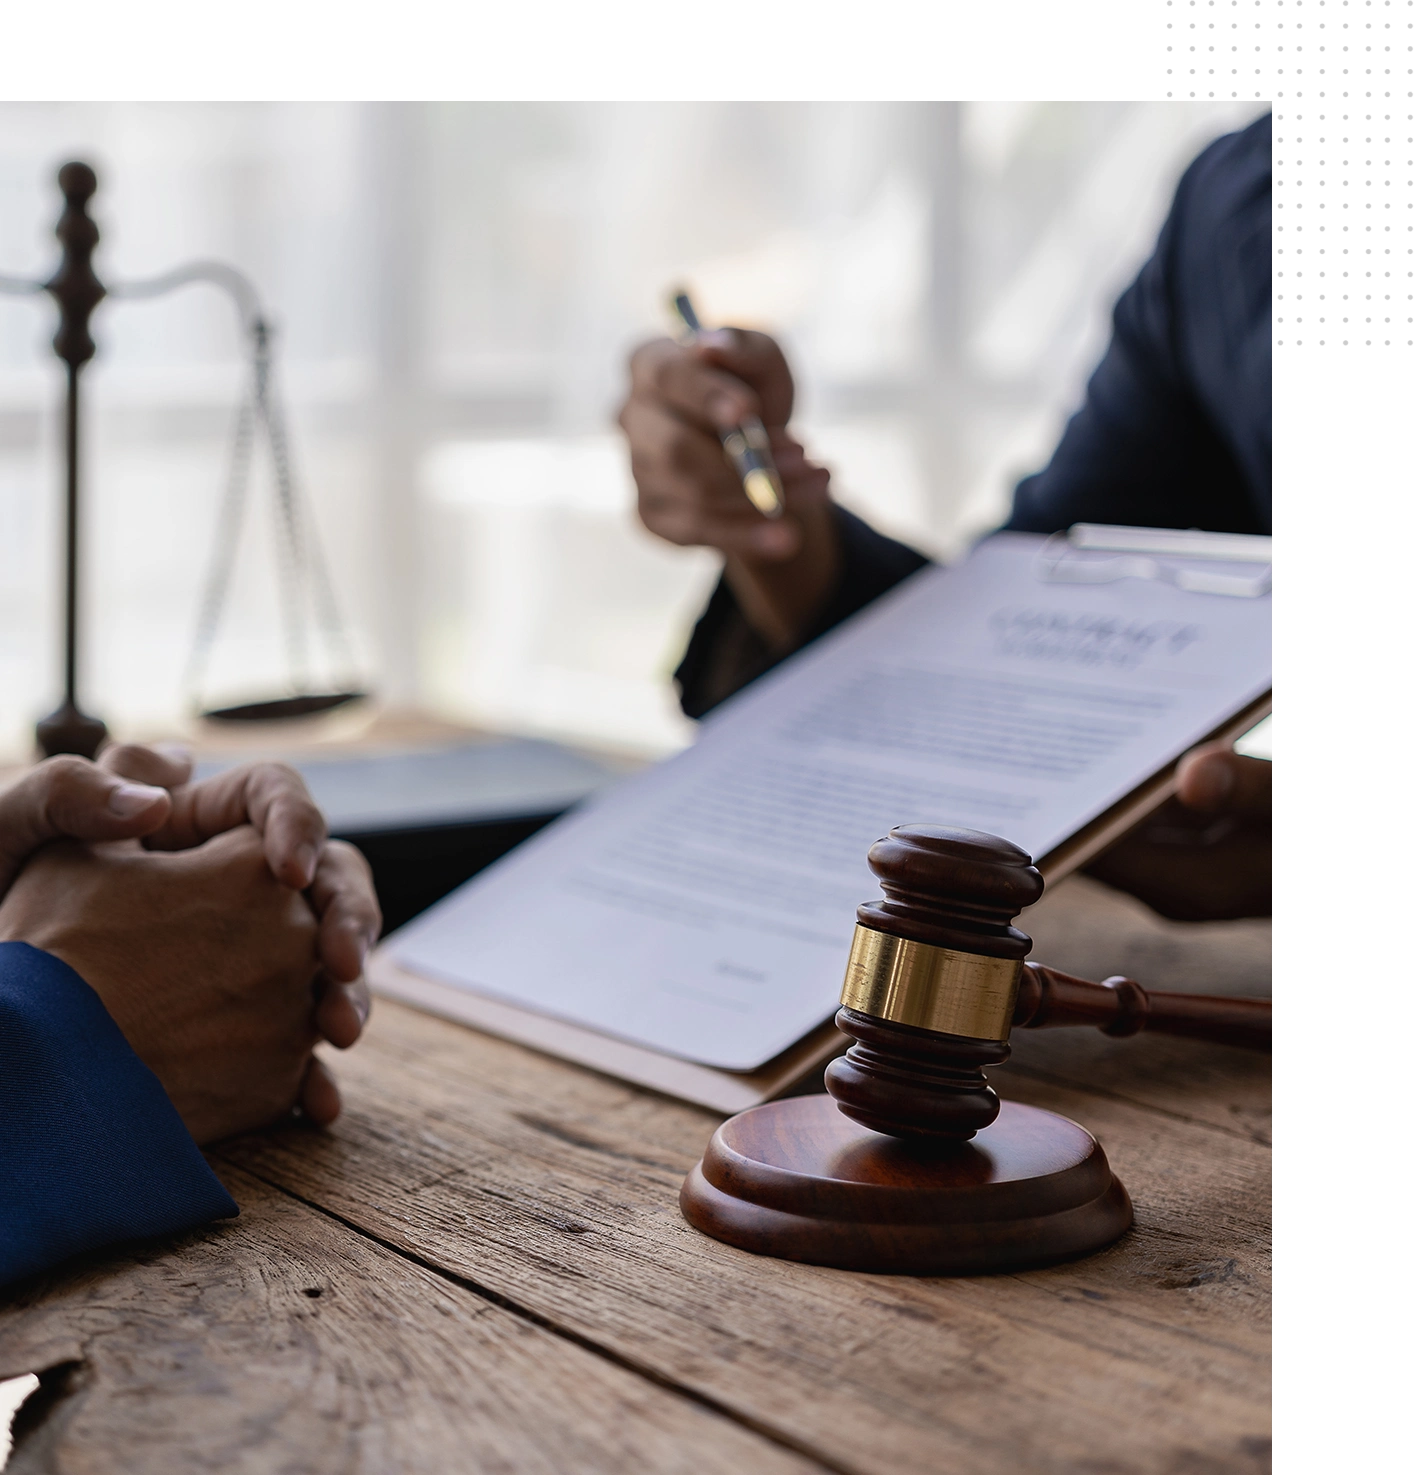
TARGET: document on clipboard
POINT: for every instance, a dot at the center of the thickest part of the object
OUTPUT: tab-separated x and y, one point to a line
688	928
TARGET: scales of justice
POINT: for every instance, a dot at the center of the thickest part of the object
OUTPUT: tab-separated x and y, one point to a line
306	589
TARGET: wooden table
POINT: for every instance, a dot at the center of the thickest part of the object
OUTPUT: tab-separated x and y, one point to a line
482	1268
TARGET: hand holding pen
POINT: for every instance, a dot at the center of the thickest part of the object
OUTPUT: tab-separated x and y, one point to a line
684	400
746	444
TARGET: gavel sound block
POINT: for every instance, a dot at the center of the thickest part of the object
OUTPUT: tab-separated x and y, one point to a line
912	1163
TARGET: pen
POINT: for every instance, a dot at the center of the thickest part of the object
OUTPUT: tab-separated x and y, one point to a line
748	447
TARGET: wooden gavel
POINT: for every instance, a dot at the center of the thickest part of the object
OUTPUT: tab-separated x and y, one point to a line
936	982
1050	999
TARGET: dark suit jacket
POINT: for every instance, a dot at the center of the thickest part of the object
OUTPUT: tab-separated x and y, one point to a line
1176	426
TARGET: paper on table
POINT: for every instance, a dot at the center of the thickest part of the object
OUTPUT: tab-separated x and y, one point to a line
705	907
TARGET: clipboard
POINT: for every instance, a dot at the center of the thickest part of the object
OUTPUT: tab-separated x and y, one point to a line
732	1091
519	996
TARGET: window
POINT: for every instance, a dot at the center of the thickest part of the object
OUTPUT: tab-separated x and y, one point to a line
456	288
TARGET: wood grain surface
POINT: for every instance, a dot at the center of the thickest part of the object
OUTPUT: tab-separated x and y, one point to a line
285	1341
556	1190
590	1325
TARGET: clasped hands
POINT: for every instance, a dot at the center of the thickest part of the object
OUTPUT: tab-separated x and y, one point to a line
224	933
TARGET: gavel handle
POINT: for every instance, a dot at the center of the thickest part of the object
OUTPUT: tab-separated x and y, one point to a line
1048	998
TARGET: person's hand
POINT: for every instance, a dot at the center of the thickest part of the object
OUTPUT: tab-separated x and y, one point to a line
273	798
205	961
1216	780
1206	855
781	570
143	793
69	796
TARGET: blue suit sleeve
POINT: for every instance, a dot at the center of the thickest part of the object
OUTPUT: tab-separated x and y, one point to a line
91	1150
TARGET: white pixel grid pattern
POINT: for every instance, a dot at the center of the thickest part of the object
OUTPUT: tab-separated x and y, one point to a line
1338	74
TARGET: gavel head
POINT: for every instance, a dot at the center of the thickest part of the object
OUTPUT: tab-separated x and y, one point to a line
931	982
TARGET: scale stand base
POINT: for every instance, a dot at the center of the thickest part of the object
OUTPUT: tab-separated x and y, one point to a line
798	1180
69	731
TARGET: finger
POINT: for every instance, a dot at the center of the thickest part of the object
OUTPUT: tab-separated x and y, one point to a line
731	525
271	797
803	478
772	542
757	360
167	765
342	1012
747	535
687	381
698	501
662	440
1215	780
686	484
72	797
319	1094
666	449
663	444
346	904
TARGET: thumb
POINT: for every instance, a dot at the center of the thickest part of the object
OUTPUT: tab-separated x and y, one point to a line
1215	780
72	798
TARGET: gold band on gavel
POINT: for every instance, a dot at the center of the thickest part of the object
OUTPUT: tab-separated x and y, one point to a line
930	987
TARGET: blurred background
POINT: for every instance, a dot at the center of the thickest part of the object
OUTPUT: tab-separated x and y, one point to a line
455	289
